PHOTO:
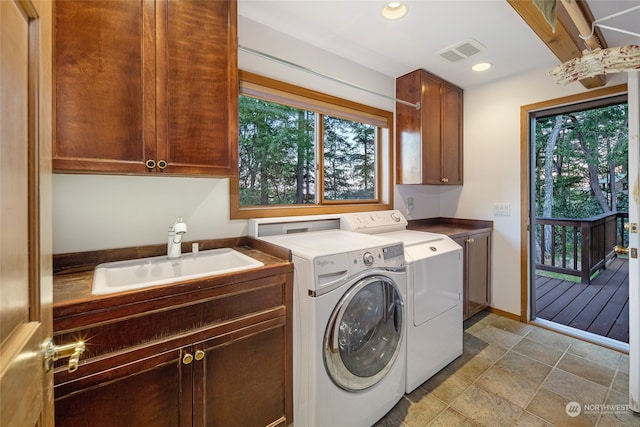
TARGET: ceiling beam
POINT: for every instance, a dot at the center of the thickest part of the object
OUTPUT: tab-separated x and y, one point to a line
564	42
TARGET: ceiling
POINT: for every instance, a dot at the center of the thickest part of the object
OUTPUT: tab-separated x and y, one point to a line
357	30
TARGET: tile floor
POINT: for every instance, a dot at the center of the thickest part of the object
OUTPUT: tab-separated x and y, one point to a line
512	374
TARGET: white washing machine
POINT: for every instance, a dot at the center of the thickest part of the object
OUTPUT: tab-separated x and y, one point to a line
434	292
349	321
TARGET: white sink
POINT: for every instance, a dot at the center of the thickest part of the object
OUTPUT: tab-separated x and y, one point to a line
141	273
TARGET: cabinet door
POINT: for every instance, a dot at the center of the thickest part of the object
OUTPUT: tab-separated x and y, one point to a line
137	391
198	84
479	272
242	380
431	112
104	86
451	145
429	139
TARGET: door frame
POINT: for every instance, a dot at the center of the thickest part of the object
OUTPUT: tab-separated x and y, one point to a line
24	361
526	204
527	272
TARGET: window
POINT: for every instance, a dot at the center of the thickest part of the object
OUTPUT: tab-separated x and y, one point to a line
302	152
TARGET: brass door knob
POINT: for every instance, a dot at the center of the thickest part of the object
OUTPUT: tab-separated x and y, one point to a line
199	355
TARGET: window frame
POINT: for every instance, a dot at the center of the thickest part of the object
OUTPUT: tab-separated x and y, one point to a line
272	90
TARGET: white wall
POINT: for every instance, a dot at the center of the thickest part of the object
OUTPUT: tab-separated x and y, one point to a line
492	168
99	212
102	212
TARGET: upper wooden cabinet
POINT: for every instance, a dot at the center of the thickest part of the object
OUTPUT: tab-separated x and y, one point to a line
146	87
429	139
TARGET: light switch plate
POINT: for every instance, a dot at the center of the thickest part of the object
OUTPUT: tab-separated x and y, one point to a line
502	209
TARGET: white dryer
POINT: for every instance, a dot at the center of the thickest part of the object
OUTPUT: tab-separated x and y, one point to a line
434	292
349	320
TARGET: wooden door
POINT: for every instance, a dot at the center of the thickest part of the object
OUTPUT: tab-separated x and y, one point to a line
197	87
26	391
105	86
242	378
479	269
142	387
452	134
431	111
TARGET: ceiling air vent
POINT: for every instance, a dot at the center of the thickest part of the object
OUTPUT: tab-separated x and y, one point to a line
461	50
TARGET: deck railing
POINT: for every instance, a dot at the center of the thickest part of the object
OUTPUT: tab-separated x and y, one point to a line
579	247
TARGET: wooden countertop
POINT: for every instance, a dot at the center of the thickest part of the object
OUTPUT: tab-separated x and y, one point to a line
73	273
452	227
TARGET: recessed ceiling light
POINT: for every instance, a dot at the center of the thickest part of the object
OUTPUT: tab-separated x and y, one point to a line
394	10
482	66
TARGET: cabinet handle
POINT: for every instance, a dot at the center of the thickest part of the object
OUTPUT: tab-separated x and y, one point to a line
445	180
187	358
150	163
162	164
470	240
199	355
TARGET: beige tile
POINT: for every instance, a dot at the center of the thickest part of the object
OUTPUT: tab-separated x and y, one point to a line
471	368
540	352
529	420
504	384
450	418
515	378
621	382
446	385
587	369
524	366
511	325
422	410
493	335
550	338
552	408
608	420
486	408
616	413
472	345
575	388
596	353
479	321
624	363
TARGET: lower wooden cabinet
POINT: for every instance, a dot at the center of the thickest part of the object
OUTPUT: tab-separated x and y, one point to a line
234	371
477	272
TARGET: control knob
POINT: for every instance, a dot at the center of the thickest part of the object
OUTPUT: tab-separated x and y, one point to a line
368	258
395	216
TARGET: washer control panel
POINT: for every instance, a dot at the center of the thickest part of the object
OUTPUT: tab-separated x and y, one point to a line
373	222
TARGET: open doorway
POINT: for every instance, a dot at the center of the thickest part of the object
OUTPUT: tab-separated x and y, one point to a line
579	210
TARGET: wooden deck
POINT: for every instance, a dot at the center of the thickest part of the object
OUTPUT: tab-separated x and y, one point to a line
601	307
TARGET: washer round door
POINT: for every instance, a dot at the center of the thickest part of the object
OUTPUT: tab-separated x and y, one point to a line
364	334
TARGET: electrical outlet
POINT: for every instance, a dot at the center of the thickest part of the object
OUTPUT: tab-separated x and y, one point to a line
409	203
502	209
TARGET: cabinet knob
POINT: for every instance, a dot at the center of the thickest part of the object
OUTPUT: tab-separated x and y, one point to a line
162	164
470	240
150	163
199	355
187	358
445	180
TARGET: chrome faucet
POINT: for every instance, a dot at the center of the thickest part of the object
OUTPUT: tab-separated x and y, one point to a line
174	242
